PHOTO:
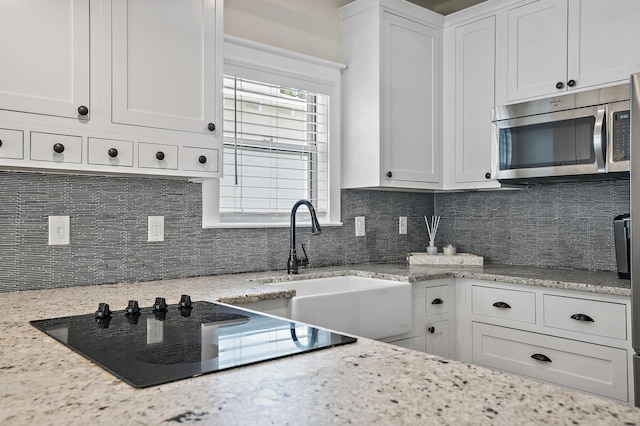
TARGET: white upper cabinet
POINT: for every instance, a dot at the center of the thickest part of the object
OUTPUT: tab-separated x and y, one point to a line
467	101
391	97
164	64
103	80
45	51
551	46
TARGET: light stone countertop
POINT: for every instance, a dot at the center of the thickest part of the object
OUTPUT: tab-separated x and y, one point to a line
43	382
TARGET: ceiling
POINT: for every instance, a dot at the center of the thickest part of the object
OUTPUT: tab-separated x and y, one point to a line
443	7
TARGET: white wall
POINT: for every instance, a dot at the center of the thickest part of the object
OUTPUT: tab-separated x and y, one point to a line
312	27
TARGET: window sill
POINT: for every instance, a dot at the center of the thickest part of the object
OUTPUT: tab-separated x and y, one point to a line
250	225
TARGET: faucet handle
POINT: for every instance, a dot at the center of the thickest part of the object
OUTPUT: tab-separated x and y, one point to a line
304	261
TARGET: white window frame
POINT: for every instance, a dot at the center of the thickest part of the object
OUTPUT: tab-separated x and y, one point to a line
255	61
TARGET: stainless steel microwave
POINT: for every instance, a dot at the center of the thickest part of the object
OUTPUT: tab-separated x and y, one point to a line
577	135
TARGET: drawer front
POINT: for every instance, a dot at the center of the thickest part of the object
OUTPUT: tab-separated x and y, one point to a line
157	156
596	317
110	152
592	368
56	148
11	144
437	300
199	159
506	304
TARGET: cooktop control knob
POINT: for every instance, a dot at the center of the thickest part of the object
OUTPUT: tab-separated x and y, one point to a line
132	308
160	305
185	301
103	311
185	305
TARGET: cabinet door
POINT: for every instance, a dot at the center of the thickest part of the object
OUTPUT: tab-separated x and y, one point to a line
409	100
45	51
603	41
536	49
474	98
437	338
164	63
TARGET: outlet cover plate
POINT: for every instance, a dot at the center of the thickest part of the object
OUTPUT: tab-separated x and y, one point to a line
360	232
59	229
156	228
402	225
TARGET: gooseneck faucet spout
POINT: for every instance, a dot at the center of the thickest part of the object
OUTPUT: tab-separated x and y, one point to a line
294	262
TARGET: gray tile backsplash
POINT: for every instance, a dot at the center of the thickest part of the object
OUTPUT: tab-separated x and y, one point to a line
109	232
568	225
564	225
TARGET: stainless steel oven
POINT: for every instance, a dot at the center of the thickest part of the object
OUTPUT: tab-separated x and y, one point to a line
574	135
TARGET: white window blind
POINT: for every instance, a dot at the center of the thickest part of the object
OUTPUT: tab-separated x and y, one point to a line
275	149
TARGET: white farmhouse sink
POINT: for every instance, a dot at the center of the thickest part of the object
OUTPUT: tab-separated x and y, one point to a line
364	307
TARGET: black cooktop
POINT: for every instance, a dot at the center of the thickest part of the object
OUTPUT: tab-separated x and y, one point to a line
163	343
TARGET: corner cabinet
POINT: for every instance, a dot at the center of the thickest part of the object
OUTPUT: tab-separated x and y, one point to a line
551	46
391	95
127	86
469	93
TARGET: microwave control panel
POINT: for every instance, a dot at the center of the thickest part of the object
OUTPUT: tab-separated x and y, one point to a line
621	135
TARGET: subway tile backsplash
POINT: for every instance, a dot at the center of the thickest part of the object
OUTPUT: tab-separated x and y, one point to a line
560	225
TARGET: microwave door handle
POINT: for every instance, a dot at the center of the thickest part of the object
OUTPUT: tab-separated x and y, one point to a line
598	142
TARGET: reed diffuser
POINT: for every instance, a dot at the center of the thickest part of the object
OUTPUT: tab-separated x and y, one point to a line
432	228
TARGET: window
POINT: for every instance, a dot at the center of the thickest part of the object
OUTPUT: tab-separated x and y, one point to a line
275	149
281	138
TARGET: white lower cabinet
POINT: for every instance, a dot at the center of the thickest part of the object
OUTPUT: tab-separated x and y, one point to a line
592	368
575	339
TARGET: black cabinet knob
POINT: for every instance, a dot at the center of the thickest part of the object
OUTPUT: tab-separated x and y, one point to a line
0	142
202	159
571	83
437	301
160	155
431	329
559	85
582	317
113	153
487	175
389	174
541	357
83	110
502	305
58	148
211	127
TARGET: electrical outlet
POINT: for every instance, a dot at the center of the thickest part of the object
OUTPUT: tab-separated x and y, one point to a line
156	228
360	232
59	227
402	224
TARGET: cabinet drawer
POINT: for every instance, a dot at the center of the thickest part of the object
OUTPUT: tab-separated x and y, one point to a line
501	303
593	368
57	148
11	144
436	339
586	316
110	152
199	159
437	300
157	156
